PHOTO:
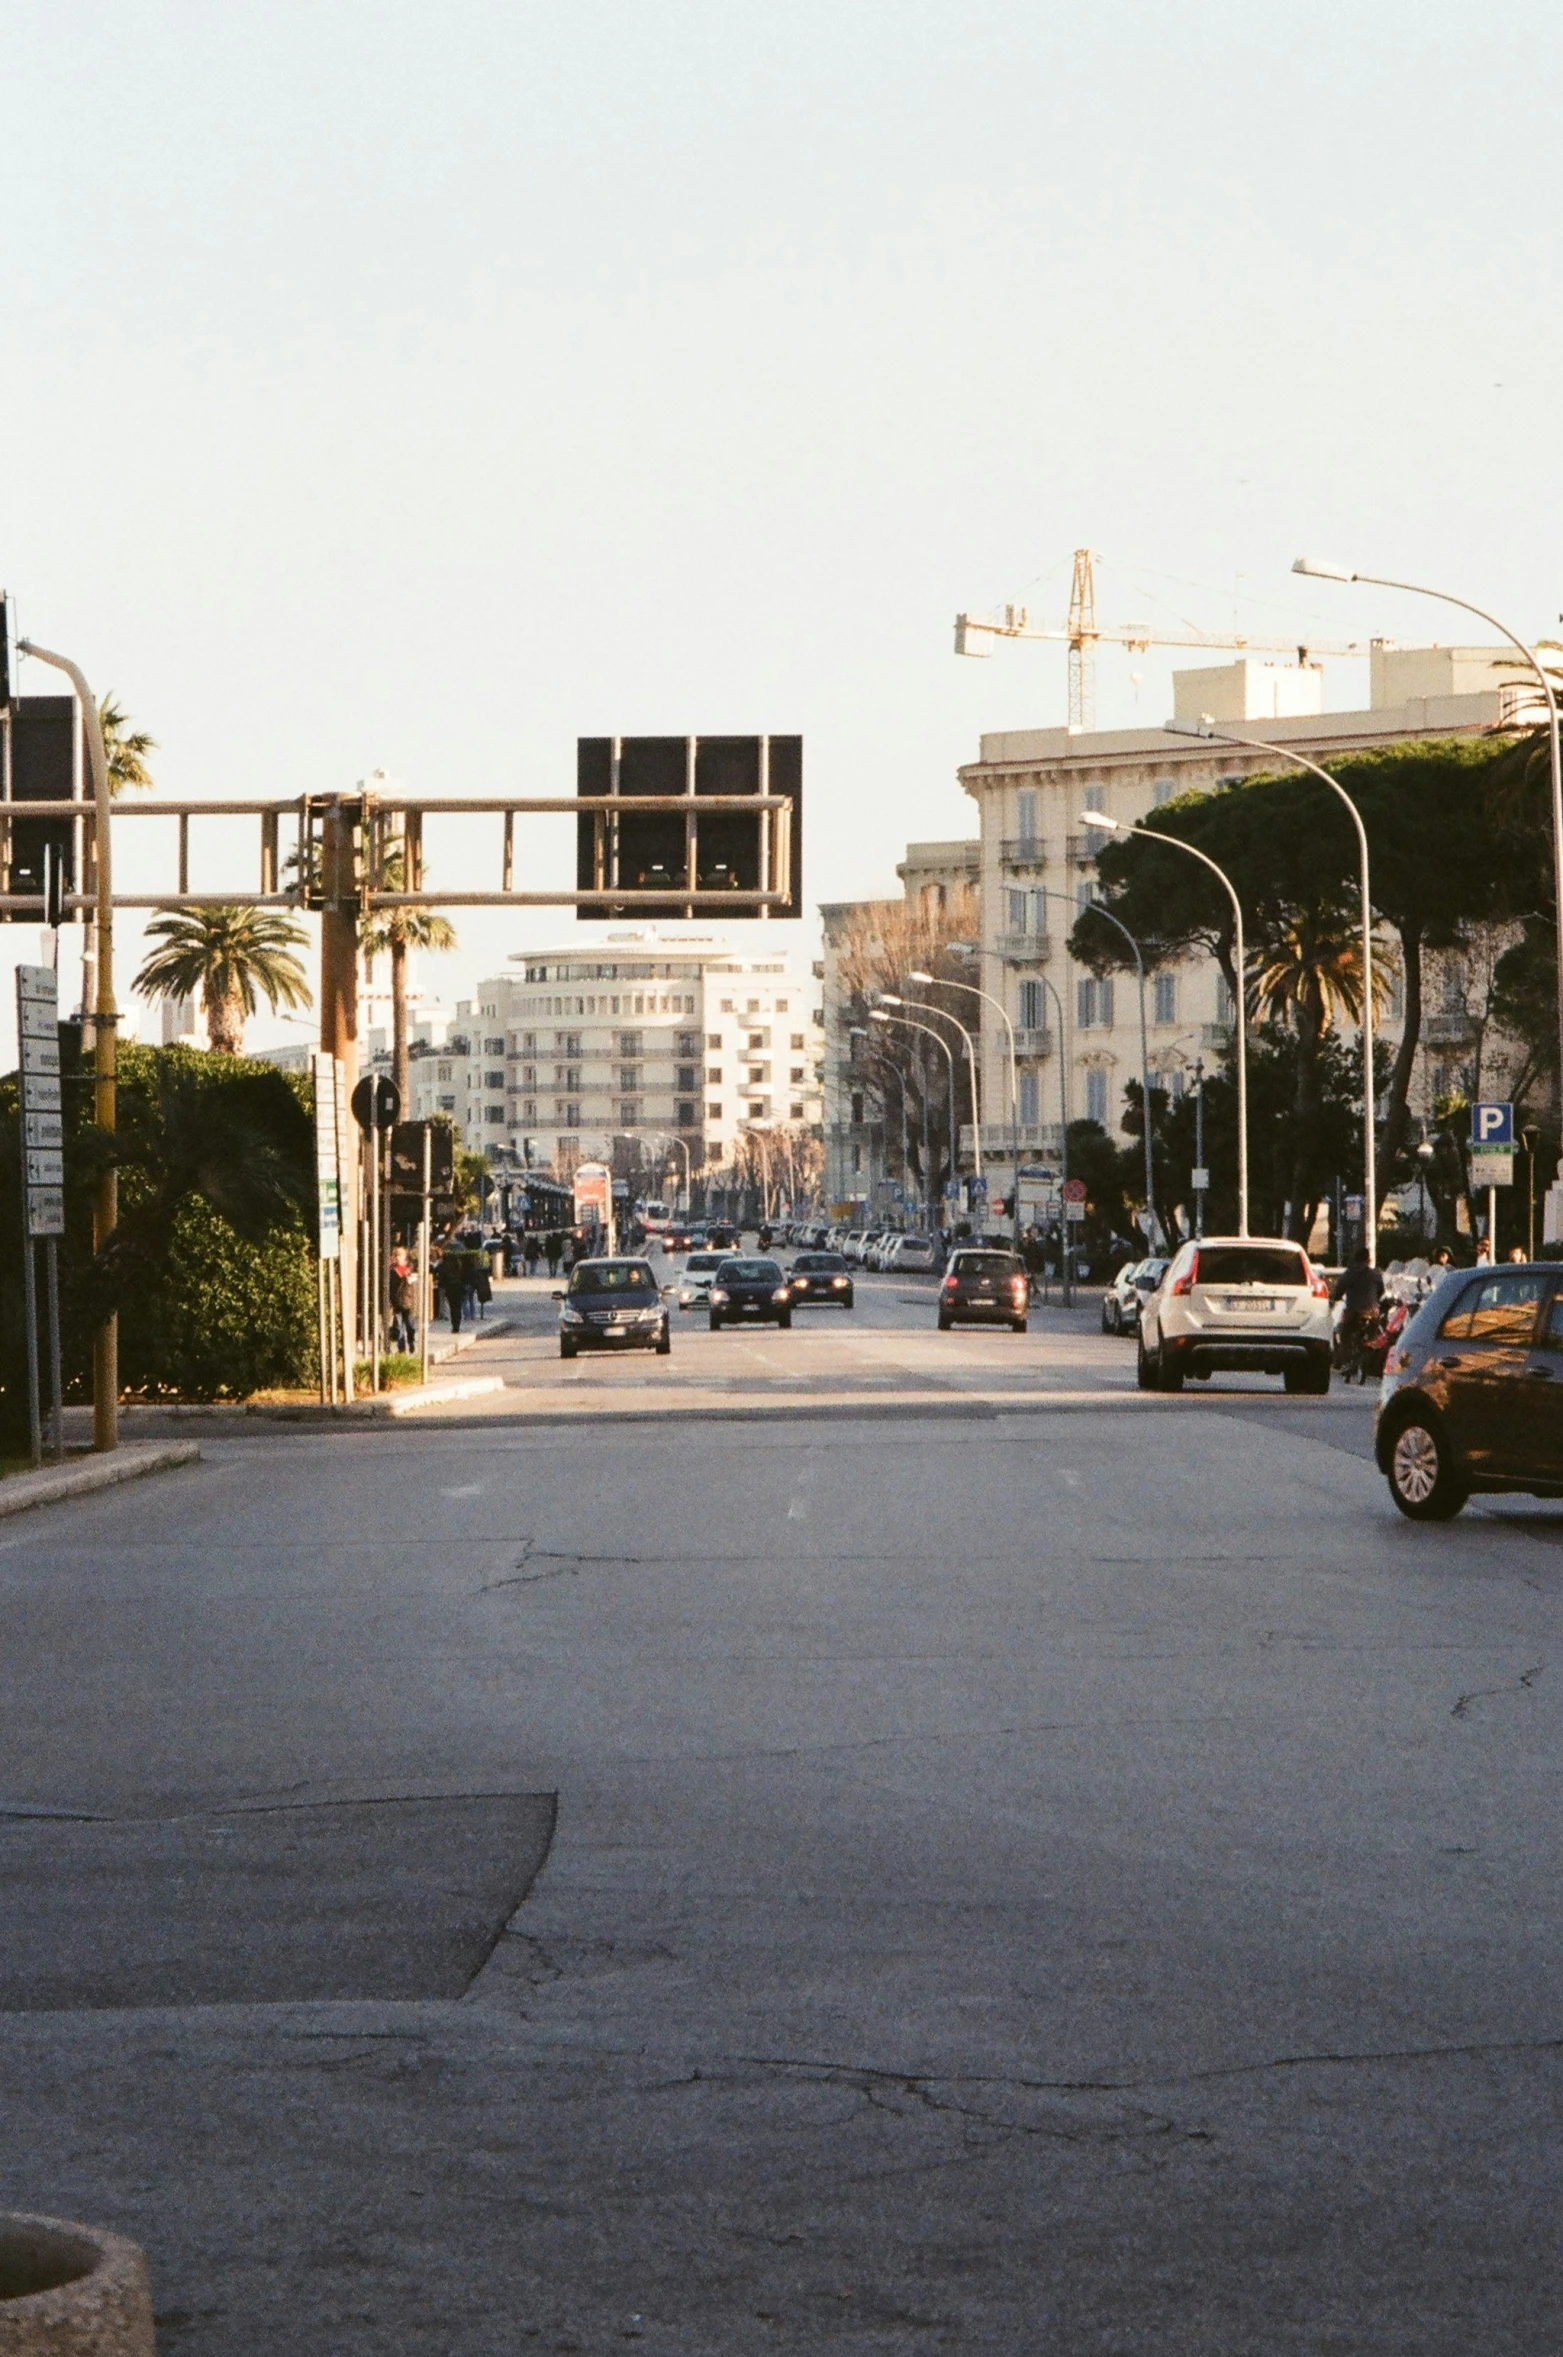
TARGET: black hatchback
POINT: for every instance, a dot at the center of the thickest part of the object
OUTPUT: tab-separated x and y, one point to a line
989	1288
1472	1395
750	1292
613	1305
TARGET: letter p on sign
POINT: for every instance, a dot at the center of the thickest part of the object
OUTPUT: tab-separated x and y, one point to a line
1492	1125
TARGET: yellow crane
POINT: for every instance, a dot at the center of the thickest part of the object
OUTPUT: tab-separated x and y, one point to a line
1084	634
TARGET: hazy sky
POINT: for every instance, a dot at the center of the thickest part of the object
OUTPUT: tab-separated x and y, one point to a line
420	387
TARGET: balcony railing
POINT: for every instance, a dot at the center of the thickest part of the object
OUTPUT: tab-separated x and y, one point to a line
1024	949
1033	1043
1451	1027
1022	851
1032	1137
1082	849
1215	1035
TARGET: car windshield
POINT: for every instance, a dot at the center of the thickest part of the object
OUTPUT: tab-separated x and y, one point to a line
700	1264
1250	1264
612	1276
1149	1275
751	1272
986	1264
819	1264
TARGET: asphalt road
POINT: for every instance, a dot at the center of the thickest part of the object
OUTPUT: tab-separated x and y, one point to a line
1060	1873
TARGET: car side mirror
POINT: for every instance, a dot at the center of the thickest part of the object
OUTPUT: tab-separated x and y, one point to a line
556	1297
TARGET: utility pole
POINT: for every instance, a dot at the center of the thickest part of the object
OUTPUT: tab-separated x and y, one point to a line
1201	1175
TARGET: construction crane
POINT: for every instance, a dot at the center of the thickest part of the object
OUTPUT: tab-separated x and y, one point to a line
1084	635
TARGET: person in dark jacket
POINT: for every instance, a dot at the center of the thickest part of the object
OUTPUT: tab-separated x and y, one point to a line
402	1289
554	1247
452	1278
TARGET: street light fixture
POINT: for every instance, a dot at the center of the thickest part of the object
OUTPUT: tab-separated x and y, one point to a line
1113	826
1319	570
1205	727
1014	1098
878	1015
888	998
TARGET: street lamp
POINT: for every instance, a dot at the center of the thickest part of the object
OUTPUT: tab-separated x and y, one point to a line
888	998
878	1015
1014	1099
1319	570
1113	826
105	1210
1206	728
1424	1157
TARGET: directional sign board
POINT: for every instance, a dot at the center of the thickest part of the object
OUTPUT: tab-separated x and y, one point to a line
1493	1125
1492	1166
43	1136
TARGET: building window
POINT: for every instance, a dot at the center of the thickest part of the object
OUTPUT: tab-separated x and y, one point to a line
1028	1097
529	1043
714	1076
1096	1095
1164	790
757	1113
1166	998
759	1074
1224	1012
567	1076
1084	895
567	1043
684	1115
1174	1080
493	1080
798	1039
797	1112
570	1115
857	1109
494	1117
492	1047
689	1043
759	1039
727	1006
781	1006
713	1112
1026	819
1094	1004
629	1076
447	1104
713	1039
752	1007
1018	903
442	1072
629	1043
685	1077
529	1111
857	1158
629	1113
1032	1015
796	1075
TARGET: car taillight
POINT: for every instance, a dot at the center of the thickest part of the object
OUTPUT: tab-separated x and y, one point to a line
949	1284
1018	1288
1189	1278
1317	1285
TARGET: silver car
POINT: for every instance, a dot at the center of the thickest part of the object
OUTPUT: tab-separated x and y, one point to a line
1249	1302
694	1286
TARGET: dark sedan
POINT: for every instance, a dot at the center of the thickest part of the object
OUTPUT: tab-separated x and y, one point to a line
986	1288
613	1305
750	1293
821	1277
1472	1395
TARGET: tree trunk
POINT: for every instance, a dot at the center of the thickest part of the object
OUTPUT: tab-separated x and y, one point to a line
400	1069
1306	1105
224	1023
1397	1115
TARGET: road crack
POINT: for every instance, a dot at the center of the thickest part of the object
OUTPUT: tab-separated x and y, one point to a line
1521	1685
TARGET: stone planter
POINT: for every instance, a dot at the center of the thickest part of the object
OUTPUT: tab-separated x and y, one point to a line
71	2291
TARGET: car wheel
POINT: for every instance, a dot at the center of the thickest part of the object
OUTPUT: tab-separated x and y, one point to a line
1295	1379
566	1347
715	1322
1106	1321
1144	1367
665	1341
945	1323
785	1320
1422	1477
847	1304
1017	1325
1169	1375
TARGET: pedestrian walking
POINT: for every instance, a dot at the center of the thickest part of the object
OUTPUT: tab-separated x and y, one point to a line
530	1252
452	1277
400	1287
482	1283
554	1247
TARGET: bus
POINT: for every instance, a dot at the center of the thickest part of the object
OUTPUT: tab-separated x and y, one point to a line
594	1200
654	1218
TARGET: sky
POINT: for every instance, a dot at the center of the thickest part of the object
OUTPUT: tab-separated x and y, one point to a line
412	388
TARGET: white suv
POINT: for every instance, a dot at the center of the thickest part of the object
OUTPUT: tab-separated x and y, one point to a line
1250	1302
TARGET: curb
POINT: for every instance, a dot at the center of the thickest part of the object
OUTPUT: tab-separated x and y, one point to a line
407	1403
377	1408
130	1462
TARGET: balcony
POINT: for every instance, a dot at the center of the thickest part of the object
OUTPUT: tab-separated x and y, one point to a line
999	1141
1451	1027
1214	1035
1022	851
1033	1043
1024	949
1080	850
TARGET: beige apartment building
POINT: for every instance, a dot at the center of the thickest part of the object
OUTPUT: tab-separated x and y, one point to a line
1077	1038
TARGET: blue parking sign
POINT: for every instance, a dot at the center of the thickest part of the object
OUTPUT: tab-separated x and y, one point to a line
1492	1125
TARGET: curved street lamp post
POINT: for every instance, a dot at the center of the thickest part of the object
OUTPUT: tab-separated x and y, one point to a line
878	1015
1114	826
1014	1103
1206	728
1317	569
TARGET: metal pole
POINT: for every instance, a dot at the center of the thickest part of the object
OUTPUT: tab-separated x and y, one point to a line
1492	1222
425	1247
1063	1133
1199	1142
30	1288
51	1270
1222	736
1241	963
105	1212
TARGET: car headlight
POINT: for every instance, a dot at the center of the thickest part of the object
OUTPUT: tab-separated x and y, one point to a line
717	1294
781	1294
840	1284
571	1317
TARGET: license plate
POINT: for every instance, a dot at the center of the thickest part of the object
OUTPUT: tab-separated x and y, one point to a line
1257	1308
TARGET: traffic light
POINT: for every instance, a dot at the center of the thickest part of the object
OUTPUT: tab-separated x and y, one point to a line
661	852
48	764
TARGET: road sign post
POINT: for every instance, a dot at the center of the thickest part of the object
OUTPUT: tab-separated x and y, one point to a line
1492	1158
43	1183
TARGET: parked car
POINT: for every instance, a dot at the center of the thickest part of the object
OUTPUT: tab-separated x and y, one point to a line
912	1252
820	1278
750	1292
984	1287
612	1304
1125	1296
694	1286
1472	1394
1251	1302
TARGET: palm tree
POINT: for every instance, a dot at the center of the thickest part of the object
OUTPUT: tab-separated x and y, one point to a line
395	931
125	748
233	957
